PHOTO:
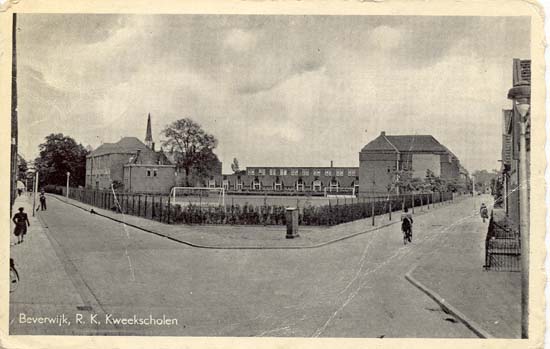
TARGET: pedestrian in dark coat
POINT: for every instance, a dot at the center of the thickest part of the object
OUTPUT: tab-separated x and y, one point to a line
42	201
484	212
21	221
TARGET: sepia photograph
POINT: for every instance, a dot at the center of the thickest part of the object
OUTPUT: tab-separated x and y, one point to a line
270	175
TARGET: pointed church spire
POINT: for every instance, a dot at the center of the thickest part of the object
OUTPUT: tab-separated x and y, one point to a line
149	134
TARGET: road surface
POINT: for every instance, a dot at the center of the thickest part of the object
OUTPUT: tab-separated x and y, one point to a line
352	288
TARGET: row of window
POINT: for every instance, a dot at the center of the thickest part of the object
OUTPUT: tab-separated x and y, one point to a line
151	172
304	172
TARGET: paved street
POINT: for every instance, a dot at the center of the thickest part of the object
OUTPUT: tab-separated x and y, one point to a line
352	288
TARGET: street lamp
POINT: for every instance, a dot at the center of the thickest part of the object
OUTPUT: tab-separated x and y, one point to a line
521	95
68	176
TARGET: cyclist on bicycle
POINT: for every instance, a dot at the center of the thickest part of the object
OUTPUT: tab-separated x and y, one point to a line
406	225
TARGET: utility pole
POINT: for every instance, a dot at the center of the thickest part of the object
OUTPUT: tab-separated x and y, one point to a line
35	190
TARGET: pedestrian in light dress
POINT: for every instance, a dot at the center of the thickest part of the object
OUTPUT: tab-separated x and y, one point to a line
21	222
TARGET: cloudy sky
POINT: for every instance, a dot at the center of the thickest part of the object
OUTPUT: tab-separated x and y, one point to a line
274	90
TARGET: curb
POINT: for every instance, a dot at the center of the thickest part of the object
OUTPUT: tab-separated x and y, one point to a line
228	247
234	247
470	324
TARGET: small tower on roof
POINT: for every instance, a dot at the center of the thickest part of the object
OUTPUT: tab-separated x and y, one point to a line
149	135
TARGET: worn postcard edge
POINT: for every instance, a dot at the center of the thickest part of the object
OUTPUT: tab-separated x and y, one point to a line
328	7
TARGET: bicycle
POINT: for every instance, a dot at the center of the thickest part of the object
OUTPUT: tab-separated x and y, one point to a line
407	236
14	276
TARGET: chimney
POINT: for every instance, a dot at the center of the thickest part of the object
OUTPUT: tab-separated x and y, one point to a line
383	133
153	146
331	163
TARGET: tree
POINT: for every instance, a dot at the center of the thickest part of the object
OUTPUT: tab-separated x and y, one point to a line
193	146
235	166
60	154
22	168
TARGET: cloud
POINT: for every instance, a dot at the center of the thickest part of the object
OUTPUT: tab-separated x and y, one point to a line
385	38
240	40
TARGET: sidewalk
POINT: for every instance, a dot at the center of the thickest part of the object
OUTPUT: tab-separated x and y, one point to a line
44	287
455	272
252	236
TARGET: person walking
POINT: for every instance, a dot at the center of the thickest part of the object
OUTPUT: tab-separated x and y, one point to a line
406	225
21	221
42	201
484	212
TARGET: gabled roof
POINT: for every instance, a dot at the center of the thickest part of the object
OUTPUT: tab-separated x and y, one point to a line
405	143
126	145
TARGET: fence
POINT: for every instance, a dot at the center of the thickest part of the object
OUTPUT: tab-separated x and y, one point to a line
158	207
502	245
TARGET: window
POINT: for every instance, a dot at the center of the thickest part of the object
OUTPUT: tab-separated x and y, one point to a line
256	185
328	173
351	173
283	172
305	172
261	171
316	172
148	173
294	172
225	184
251	171
339	173
316	185
155	172
272	172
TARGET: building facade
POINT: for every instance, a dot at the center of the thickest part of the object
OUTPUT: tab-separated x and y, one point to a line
510	177
291	179
383	159
133	166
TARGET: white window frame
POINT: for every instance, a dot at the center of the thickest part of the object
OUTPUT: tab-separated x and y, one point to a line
300	186
283	172
352	173
316	172
256	185
211	183
317	184
261	171
328	173
305	172
250	172
239	185
225	184
278	186
339	173
272	172
294	172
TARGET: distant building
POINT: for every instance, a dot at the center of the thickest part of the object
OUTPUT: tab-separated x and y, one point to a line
381	160
133	166
291	179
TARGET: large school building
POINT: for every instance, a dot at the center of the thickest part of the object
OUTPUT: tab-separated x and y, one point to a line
135	166
292	179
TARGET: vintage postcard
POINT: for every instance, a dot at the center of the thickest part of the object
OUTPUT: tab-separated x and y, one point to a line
272	174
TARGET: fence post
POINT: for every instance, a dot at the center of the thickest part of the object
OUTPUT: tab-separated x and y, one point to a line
372	211
389	206
145	207
413	203
160	207
153	206
133	204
